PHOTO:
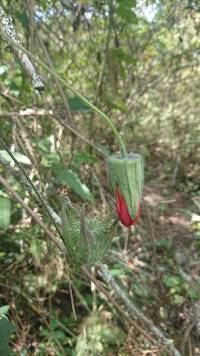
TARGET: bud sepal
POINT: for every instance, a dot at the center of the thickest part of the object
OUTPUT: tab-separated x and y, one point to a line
87	240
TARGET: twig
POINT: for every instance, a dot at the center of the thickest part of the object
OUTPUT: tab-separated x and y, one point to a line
30	212
71	296
80	96
152	236
175	172
102	70
28	112
28	187
75	132
135	312
118	307
42	112
186	336
9	33
31	187
25	141
62	94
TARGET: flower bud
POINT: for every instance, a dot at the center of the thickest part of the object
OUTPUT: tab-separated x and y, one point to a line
126	176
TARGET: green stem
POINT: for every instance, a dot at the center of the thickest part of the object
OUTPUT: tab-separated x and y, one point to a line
74	91
103	116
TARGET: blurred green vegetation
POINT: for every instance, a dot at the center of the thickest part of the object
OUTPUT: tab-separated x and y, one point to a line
138	61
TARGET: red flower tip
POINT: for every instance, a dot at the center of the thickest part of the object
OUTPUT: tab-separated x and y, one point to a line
122	210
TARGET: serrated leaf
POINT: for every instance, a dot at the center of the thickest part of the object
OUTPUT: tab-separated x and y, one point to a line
6	328
19	157
5	211
70	178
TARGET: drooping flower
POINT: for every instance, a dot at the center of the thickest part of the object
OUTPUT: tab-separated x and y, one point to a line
126	176
122	210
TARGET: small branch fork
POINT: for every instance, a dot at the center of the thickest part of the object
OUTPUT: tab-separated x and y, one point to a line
9	33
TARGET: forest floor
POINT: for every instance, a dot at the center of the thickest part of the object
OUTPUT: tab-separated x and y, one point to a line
167	265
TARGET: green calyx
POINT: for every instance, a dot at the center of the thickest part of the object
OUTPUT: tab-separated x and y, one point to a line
87	240
128	175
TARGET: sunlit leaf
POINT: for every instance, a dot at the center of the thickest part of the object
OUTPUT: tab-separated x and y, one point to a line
69	178
3	69
5	211
3	310
19	157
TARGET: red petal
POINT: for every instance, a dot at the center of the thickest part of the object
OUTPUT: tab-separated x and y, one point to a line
122	210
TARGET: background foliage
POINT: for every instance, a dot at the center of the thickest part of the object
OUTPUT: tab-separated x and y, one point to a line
139	62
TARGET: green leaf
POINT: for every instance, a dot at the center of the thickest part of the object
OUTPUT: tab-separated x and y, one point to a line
116	272
49	159
6	328
77	104
5	211
19	157
172	281
125	10
163	243
140	291
4	310
3	69
179	299
14	89
22	17
37	249
97	337
83	157
68	177
193	294
44	144
127	3
122	55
